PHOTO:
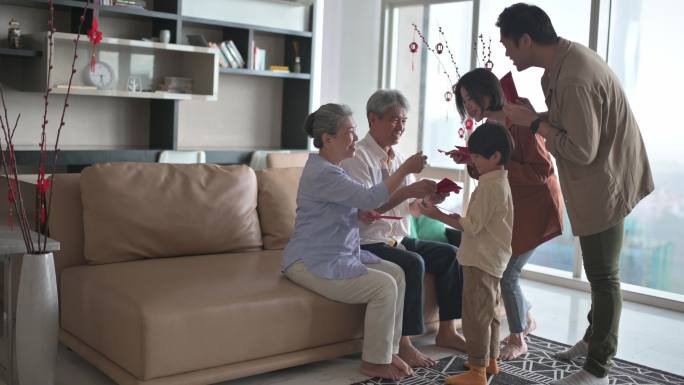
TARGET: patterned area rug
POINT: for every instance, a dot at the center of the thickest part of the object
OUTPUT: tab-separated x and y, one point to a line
536	367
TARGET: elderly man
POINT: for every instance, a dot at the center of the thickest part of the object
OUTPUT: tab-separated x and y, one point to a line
374	161
602	164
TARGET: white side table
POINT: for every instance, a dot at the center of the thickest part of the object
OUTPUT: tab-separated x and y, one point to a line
30	311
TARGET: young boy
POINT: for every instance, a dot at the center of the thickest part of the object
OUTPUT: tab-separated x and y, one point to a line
485	249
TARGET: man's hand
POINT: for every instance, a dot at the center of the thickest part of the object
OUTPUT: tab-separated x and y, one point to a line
422	188
526	102
368	216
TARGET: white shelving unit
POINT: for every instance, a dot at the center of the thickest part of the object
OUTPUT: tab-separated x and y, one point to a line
149	61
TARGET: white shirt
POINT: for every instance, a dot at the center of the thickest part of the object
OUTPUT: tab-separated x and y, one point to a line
372	165
488	225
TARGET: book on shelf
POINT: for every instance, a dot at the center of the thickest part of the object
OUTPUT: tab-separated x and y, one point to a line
280	68
197	40
236	53
140	4
228	56
223	62
259	58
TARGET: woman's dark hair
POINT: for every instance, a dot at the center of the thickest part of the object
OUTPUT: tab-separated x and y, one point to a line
521	18
479	83
326	119
489	138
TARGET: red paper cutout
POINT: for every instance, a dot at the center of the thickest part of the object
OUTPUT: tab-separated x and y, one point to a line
509	90
446	185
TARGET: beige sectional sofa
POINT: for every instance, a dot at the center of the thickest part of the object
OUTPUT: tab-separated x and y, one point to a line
170	274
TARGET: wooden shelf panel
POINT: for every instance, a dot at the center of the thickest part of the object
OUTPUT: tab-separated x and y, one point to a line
139	43
219	23
20	52
271	74
139	95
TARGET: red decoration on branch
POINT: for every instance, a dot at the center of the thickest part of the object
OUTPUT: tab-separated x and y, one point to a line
95	36
8	160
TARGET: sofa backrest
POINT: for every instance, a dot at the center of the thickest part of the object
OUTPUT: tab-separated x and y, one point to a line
147	210
277	204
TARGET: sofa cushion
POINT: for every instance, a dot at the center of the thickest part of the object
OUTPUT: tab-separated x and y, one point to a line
147	210
277	204
171	315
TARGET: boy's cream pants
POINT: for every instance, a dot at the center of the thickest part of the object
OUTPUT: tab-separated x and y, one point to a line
481	297
382	289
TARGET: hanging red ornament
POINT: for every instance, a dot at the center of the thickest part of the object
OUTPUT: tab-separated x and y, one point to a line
413	47
461	132
448	95
469	124
439	47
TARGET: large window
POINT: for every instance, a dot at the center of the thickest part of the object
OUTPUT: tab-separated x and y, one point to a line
644	56
636	38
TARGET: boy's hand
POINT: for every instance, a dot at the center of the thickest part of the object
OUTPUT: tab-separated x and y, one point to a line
428	210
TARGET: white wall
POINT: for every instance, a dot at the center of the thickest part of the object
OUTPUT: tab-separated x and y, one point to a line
351	61
350	54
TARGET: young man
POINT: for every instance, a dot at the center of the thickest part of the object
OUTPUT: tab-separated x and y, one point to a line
375	159
602	163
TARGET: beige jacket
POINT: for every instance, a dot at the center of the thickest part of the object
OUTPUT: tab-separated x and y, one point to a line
488	225
602	163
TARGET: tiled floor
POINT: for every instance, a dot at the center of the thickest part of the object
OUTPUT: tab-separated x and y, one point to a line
648	336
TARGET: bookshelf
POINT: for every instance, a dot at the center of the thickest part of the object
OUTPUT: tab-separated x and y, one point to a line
164	107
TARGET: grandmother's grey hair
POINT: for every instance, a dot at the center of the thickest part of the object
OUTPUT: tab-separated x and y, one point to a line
382	100
326	119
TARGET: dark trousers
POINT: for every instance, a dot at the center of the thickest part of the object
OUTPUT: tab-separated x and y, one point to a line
436	258
601	257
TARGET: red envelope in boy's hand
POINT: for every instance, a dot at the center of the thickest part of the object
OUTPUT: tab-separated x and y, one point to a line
509	90
460	155
446	185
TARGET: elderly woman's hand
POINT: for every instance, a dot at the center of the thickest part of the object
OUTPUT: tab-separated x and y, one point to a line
368	216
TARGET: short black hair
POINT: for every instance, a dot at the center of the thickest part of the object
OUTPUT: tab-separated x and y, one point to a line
521	18
479	83
489	138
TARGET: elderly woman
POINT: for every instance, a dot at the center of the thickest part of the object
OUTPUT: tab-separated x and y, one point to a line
323	254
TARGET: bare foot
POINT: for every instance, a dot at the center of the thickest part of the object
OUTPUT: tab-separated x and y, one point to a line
450	339
386	371
515	347
412	356
401	365
531	324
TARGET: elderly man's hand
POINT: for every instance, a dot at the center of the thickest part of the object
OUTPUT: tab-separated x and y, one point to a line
435	198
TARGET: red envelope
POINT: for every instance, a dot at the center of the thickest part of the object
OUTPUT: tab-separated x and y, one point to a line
446	185
508	86
387	217
460	154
